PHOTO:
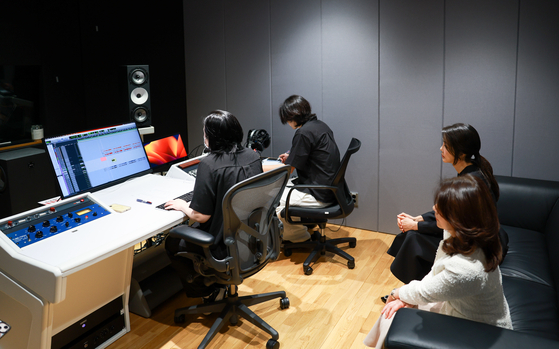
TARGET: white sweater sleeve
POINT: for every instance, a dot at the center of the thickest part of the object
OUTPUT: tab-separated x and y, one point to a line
451	278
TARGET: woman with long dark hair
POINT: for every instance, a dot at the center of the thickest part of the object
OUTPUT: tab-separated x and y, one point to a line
465	280
414	249
227	164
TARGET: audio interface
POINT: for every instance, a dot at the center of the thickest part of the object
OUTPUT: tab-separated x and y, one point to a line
30	228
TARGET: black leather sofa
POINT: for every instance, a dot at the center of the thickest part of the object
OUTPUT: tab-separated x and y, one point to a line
529	212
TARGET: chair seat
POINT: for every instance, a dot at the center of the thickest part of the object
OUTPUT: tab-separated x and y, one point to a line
314	214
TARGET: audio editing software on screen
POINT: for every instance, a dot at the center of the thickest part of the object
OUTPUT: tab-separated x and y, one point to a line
89	160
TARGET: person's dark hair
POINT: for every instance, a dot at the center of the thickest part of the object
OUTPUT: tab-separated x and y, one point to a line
296	108
466	203
463	140
223	132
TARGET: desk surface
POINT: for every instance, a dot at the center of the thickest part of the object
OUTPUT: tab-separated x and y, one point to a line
42	265
117	231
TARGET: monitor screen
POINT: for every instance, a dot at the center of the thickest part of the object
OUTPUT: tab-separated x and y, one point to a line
164	152
94	159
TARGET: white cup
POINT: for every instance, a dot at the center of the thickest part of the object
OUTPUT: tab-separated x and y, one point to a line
36	132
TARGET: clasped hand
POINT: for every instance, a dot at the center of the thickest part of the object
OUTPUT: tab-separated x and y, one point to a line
407	222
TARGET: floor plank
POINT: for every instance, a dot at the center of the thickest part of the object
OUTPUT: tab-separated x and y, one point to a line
333	308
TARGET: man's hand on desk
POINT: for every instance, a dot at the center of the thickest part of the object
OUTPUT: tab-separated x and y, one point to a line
181	205
177	204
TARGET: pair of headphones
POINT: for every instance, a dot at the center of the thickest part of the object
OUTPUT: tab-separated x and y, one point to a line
258	140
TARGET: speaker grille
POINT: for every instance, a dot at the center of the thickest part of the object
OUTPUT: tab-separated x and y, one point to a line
139	95
140	115
138	76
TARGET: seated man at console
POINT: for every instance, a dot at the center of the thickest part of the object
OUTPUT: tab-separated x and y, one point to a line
227	164
314	154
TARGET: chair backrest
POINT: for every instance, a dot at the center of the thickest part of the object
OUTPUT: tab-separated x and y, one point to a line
250	226
343	195
196	151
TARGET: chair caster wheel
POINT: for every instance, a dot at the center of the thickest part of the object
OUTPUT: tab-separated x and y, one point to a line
272	344
284	303
352	244
180	319
351	264
234	320
308	270
287	252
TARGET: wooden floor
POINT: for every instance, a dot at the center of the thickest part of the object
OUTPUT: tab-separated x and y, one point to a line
335	307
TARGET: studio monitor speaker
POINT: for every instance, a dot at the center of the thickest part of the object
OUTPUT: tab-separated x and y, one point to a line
138	92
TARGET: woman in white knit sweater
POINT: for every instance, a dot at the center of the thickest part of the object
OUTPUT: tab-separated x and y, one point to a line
465	280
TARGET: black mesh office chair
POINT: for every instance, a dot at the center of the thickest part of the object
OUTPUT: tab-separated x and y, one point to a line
251	231
319	216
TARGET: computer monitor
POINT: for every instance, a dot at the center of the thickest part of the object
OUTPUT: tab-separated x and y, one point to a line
164	152
95	159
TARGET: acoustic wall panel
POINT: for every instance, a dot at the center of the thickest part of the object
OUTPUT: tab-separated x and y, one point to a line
350	95
480	71
537	103
247	48
205	63
410	106
296	62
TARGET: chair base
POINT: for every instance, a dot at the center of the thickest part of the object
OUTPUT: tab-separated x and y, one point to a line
230	308
319	248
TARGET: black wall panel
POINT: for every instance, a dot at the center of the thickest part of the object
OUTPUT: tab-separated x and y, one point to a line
80	46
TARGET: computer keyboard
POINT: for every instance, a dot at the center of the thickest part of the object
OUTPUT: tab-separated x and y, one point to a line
186	197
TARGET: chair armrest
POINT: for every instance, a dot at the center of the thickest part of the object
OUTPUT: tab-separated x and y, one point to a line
308	186
413	328
313	186
192	235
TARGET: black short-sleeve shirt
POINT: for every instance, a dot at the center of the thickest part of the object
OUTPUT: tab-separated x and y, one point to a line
214	177
315	155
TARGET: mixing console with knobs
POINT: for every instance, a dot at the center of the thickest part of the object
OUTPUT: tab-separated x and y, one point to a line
28	228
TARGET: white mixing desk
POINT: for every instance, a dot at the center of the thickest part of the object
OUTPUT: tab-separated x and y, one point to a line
55	287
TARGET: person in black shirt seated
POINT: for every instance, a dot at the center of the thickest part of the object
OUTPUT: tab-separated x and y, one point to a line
227	164
414	249
314	154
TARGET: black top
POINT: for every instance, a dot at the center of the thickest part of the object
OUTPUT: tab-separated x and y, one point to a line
315	155
215	176
429	224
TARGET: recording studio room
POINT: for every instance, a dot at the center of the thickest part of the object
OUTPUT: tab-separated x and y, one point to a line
106	139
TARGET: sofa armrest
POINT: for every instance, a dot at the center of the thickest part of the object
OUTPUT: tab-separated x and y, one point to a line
526	203
413	328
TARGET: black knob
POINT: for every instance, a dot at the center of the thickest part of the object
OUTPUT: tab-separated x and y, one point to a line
46	223
31	229
53	229
94	214
77	219
70	215
39	234
59	219
67	224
